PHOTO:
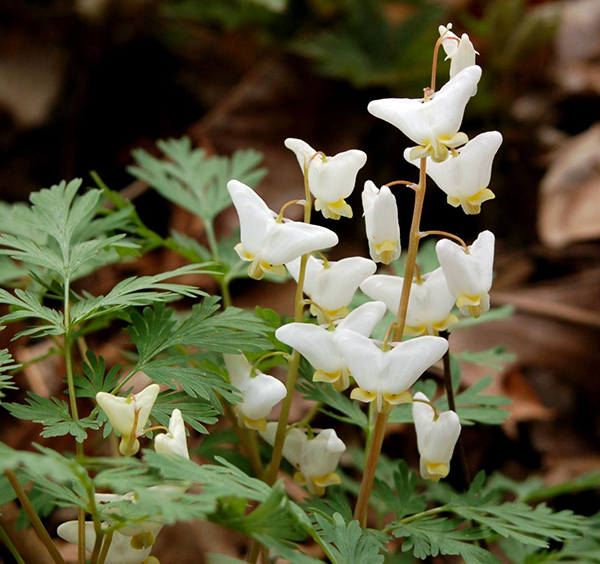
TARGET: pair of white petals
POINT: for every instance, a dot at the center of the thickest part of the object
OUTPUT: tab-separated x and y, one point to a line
330	179
433	124
268	243
320	346
436	438
460	51
315	459
429	306
332	285
469	272
381	222
260	392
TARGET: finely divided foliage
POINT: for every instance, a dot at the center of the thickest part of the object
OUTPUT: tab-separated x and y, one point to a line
48	248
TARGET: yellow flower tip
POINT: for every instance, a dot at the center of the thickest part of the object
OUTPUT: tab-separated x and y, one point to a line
331	479
467	301
362	395
334	210
415	331
397	399
151	560
341	384
255	271
328	314
329	377
256	424
437	470
142	541
125	443
258	269
242	253
386	251
420	152
475	311
451	319
299	478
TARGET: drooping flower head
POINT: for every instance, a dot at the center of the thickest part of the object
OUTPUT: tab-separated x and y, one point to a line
469	272
330	179
465	176
315	459
381	220
129	415
173	442
260	392
319	345
429	305
433	124
332	285
460	51
386	376
268	243
436	438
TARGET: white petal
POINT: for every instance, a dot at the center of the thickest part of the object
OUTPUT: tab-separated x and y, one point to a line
463	57
322	454
175	442
385	288
363	357
144	402
363	319
238	368
381	218
313	267
301	149
293	445
450	41
261	393
334	179
256	219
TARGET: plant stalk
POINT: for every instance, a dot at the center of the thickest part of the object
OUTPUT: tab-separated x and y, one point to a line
250	447
34	517
11	547
105	547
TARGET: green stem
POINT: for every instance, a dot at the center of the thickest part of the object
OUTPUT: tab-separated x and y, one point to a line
225	293
105	547
11	547
34	517
212	240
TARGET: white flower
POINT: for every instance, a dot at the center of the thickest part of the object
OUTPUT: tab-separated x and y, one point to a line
434	124
429	305
469	272
260	392
173	442
381	219
315	459
267	243
460	51
385	376
129	415
332	285
436	438
319	345
465	176
330	179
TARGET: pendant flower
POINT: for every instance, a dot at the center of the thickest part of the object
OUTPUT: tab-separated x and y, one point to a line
386	376
173	442
330	179
319	345
332	285
460	51
465	176
315	459
260	392
381	220
469	273
432	124
129	415
429	305
267	242
436	438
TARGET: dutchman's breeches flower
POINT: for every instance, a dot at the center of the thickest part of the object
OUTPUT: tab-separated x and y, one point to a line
173	442
460	51
465	176
332	285
386	376
319	345
315	459
260	392
436	438
429	306
433	124
268	242
381	221
330	179
469	272
129	415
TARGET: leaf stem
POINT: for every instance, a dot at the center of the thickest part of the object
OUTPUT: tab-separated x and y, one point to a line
211	238
34	517
105	547
250	447
11	547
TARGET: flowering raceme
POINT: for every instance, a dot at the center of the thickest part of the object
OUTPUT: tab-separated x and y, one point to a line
319	345
465	176
436	437
432	124
469	272
429	306
330	179
315	459
129	415
260	392
268	242
381	221
332	285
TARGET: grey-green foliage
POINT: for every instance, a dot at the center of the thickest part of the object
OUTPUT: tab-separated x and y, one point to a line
6	365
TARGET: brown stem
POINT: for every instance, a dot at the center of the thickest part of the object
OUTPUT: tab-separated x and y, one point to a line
34	517
403	183
445	234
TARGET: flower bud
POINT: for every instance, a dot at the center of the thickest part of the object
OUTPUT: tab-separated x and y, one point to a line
173	442
381	219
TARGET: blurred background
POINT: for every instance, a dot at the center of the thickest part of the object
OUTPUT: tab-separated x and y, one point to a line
84	82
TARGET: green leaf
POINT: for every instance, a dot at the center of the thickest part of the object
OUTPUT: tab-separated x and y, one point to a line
494	358
27	306
403	499
95	378
6	364
494	314
53	414
195	411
